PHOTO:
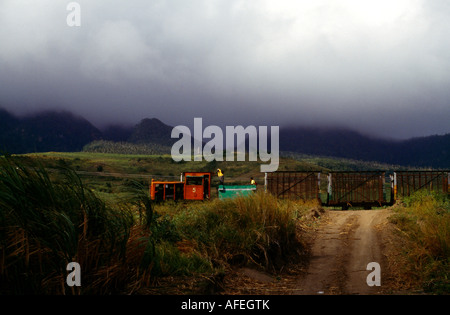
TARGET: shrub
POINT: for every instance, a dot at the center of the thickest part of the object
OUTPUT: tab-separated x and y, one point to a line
425	220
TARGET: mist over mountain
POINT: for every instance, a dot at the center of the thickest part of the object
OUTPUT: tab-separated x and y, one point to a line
45	131
430	151
152	131
117	133
63	131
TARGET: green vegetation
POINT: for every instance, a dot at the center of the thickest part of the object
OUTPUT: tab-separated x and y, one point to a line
340	164
48	219
257	229
424	223
102	146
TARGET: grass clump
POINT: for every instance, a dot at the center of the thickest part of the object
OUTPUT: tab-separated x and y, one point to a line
256	229
424	222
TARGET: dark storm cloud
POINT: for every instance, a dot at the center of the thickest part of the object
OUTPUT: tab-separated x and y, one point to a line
381	67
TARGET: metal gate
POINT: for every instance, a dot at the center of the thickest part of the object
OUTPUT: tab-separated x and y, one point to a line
294	185
356	189
408	182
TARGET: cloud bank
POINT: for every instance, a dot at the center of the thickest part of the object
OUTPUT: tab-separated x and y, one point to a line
380	67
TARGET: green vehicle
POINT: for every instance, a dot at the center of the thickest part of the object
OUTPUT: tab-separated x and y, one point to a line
232	191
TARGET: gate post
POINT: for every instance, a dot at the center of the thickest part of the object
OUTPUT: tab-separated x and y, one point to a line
265	182
329	189
318	190
395	186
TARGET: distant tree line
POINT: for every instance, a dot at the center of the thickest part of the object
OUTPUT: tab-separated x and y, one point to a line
103	146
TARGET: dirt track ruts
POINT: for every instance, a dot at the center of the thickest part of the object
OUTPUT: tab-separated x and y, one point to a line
344	245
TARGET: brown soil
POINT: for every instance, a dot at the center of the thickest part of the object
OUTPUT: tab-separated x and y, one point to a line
344	246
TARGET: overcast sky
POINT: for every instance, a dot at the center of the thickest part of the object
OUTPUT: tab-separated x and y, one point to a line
381	67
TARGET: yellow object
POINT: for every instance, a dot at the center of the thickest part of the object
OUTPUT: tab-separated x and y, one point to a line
219	172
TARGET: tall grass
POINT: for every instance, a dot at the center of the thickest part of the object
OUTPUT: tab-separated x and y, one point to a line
45	223
425	224
258	229
48	220
160	255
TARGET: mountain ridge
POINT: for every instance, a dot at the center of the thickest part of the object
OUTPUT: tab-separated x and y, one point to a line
65	132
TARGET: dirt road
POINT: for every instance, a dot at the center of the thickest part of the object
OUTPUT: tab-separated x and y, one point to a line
346	242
